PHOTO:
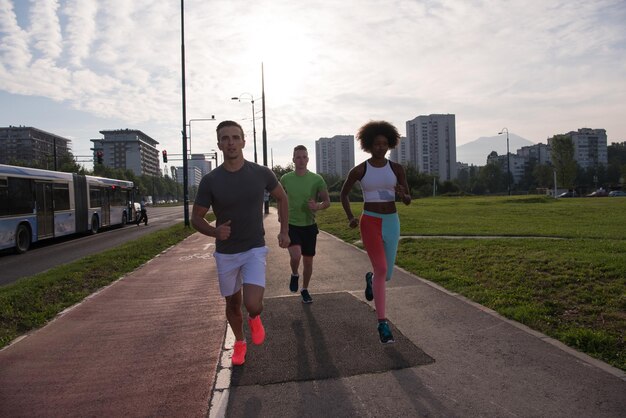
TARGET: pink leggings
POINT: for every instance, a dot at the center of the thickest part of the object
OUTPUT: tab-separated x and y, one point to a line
380	234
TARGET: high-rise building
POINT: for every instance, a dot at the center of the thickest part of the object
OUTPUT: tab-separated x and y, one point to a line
200	161
334	155
401	153
432	145
518	164
128	149
194	175
31	146
590	148
538	153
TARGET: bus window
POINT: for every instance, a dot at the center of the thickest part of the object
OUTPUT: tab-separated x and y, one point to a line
118	198
21	193
4	197
61	195
95	197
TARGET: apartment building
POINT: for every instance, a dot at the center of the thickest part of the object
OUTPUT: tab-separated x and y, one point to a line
517	164
31	146
590	147
538	153
200	161
401	153
128	149
194	175
334	155
432	145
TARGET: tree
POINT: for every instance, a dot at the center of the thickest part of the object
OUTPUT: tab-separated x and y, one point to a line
528	181
492	178
463	179
333	181
543	175
616	171
449	187
281	171
421	184
562	155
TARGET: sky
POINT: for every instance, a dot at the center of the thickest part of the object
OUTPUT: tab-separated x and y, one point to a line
536	67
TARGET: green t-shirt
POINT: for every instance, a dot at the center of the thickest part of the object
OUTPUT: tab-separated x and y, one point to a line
299	190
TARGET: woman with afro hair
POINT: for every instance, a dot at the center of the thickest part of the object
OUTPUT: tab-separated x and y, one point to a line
381	181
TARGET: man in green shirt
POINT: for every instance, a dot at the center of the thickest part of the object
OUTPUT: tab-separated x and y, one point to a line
307	193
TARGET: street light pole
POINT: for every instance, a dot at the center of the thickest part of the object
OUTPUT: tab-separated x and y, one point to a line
253	119
184	99
266	206
508	160
196	120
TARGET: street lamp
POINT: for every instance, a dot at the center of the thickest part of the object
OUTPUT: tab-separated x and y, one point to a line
253	122
266	205
184	108
196	120
185	164
508	160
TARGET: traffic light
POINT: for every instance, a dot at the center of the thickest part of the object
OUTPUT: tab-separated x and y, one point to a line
164	156
99	156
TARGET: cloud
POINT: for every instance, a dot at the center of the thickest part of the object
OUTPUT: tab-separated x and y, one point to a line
536	67
80	29
45	29
14	46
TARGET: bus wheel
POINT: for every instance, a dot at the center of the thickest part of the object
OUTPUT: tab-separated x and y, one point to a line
124	219
95	225
22	239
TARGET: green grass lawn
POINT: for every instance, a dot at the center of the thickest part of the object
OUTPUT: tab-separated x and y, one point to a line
564	276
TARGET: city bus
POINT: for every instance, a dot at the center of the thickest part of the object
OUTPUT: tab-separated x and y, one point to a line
41	204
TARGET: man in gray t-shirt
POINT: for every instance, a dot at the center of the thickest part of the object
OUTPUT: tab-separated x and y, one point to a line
235	191
237	196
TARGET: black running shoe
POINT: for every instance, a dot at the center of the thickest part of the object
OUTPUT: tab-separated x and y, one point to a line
386	337
369	294
306	298
293	283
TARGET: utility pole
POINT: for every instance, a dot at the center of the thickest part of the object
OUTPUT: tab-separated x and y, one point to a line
267	202
184	131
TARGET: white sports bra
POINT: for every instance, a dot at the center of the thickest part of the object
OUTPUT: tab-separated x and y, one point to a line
379	183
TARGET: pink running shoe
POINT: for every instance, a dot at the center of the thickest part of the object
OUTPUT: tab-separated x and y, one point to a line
239	353
257	330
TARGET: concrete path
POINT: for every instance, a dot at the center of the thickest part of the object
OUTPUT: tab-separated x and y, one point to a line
484	365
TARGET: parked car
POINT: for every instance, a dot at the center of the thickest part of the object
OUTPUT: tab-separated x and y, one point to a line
616	193
598	193
569	193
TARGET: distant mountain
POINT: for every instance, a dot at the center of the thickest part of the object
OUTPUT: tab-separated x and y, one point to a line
476	152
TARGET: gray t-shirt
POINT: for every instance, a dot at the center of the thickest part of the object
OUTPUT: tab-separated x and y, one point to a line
238	197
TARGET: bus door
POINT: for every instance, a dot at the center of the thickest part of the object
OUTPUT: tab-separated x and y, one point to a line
45	211
106	207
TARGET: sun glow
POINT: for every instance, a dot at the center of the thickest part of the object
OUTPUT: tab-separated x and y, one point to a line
287	53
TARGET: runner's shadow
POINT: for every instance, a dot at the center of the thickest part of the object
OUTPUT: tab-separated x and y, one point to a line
333	337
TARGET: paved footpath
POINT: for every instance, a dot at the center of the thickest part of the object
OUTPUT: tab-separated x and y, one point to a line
152	344
147	345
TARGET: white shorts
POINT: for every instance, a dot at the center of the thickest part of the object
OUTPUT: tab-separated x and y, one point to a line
247	267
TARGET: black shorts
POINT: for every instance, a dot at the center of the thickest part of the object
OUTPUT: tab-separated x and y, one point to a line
305	237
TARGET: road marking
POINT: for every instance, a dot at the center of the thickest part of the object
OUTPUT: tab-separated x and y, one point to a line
203	256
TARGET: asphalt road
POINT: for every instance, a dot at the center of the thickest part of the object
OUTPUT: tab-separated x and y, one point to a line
51	253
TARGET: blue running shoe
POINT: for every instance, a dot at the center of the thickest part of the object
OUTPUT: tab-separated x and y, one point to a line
306	297
386	337
369	294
